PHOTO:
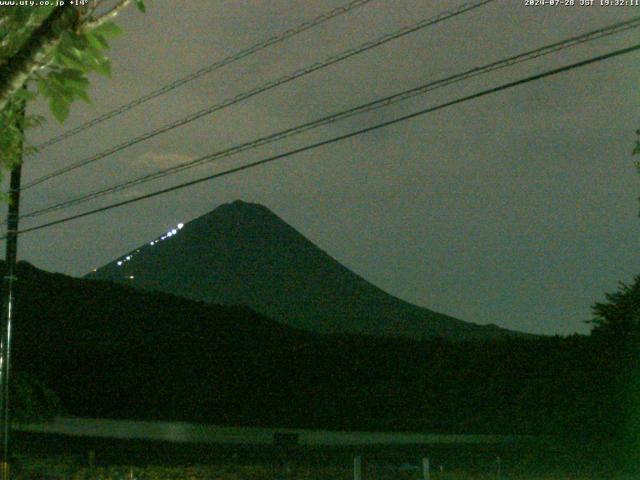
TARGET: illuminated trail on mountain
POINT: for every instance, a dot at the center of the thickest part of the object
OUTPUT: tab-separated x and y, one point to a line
127	258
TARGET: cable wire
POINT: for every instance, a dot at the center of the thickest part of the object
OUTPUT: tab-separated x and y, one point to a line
263	88
205	70
339	138
379	103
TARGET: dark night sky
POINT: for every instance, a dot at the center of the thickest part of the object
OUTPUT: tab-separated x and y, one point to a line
517	209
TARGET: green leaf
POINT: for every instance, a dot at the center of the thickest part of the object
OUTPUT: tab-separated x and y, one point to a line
80	84
33	121
44	88
62	92
83	96
107	29
82	55
92	56
140	6
97	41
79	41
104	67
24	94
74	75
60	108
68	60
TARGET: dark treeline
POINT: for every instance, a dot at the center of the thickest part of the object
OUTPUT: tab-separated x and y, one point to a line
111	351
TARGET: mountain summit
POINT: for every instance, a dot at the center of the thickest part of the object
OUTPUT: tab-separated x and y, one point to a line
243	254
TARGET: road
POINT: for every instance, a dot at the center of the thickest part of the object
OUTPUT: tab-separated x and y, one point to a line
199	433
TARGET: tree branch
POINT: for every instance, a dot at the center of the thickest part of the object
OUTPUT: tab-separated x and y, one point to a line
17	69
105	17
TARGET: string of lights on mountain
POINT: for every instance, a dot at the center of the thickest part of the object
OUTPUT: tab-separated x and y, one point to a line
129	256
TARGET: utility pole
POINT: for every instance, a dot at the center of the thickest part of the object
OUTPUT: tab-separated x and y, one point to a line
9	302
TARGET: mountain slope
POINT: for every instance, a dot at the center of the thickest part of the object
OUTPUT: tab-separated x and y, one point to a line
243	254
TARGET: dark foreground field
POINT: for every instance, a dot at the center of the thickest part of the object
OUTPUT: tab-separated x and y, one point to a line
56	457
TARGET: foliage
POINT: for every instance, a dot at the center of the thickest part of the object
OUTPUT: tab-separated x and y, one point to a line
57	68
66	77
12	124
619	317
617	334
31	400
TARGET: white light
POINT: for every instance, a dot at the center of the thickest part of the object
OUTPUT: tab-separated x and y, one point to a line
128	257
180	225
169	234
131	277
151	243
119	262
174	231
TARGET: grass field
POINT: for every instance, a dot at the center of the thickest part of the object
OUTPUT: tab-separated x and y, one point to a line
68	470
58	457
74	467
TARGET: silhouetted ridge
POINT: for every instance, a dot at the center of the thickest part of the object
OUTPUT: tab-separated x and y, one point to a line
113	351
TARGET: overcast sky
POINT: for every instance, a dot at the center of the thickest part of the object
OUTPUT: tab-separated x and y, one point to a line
518	209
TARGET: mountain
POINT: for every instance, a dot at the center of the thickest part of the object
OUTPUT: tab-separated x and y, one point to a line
243	254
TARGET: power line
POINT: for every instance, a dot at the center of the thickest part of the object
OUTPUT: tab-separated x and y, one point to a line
208	69
263	88
289	153
379	103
